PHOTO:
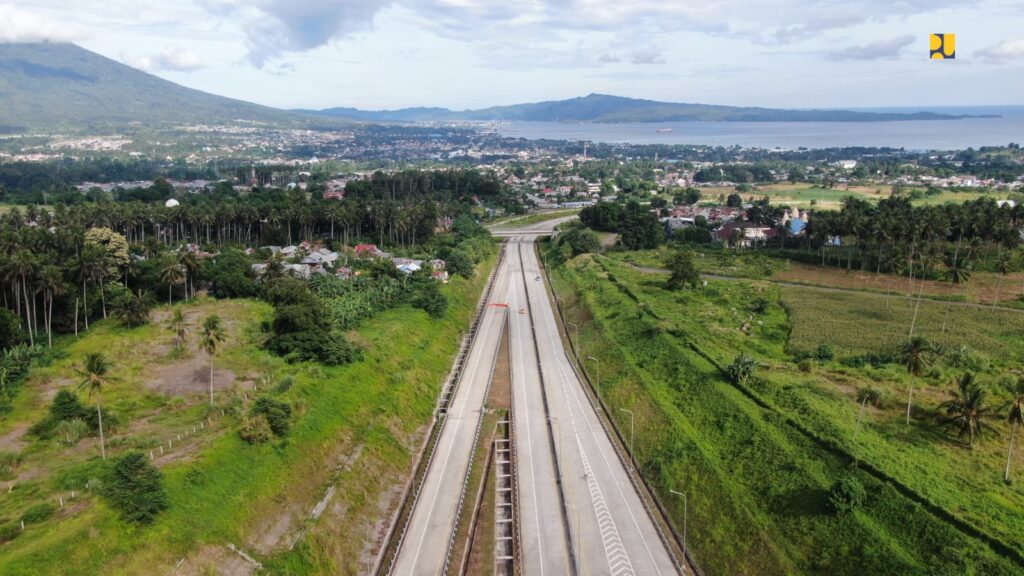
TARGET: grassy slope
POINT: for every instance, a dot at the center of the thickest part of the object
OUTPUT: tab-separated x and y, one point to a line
756	481
229	488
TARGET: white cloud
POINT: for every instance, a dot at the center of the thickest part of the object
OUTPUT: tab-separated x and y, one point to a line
17	25
878	50
171	59
1004	51
176	59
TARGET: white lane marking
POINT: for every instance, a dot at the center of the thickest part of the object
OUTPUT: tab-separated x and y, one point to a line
585	410
451	443
529	441
614	551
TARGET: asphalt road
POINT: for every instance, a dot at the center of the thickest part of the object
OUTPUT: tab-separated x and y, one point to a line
424	547
612	532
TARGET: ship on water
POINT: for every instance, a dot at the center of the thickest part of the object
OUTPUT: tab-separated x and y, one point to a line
663	130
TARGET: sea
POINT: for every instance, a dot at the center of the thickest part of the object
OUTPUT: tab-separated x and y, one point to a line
910	135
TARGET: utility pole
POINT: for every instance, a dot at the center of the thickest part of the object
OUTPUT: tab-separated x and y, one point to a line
684	521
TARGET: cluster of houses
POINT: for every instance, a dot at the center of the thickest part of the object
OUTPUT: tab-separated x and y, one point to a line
728	225
306	260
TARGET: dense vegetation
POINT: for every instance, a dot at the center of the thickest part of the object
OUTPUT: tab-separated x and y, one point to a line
763	430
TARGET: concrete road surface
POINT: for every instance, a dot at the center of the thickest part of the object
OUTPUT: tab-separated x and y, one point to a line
544	536
424	547
611	529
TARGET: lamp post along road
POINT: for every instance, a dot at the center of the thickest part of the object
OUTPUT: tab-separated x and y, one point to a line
684	521
632	458
598	362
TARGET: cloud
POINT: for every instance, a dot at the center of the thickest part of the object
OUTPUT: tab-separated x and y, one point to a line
1004	51
171	59
176	59
276	28
608	59
878	50
647	56
17	25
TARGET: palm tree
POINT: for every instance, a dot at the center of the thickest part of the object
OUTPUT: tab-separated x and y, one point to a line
171	273
94	377
51	280
177	325
23	264
190	264
211	338
133	309
916	355
966	411
959	273
1014	416
1003	265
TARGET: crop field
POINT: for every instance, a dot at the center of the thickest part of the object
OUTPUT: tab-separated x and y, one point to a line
858	323
758	459
354	427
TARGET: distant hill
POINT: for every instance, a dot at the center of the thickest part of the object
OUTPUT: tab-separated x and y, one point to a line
604	108
63	86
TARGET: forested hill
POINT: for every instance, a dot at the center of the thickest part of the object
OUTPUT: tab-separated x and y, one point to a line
604	108
60	86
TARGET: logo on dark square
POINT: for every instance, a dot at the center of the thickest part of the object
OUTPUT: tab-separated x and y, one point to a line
943	46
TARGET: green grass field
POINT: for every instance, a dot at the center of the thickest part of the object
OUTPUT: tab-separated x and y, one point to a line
354	427
530	219
757	460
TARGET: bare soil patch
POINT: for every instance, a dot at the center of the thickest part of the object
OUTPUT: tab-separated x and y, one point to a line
219	560
190	376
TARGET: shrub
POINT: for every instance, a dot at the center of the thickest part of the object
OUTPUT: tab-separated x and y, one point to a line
135	489
806	365
285	384
69	432
338	350
846	495
37	513
8	464
431	300
255	429
459	262
9	532
67	406
276	413
824	353
10	329
580	241
741	369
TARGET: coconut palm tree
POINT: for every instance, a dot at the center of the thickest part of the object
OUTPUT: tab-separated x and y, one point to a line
1014	416
95	375
210	340
171	273
959	273
133	309
1004	262
916	354
190	265
51	280
177	325
966	410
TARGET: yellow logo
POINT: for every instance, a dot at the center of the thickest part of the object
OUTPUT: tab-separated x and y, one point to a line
943	46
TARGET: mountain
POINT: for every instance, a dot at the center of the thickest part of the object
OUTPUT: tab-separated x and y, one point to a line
63	86
604	108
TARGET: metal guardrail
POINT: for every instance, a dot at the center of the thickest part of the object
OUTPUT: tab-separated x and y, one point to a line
601	407
514	459
427	450
547	422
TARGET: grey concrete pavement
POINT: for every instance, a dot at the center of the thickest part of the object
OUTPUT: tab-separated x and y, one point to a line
612	530
544	535
424	546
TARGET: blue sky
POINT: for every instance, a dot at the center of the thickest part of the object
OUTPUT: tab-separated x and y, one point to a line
473	53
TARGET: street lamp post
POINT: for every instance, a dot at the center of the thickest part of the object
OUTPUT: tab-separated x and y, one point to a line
632	458
576	342
598	375
684	521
